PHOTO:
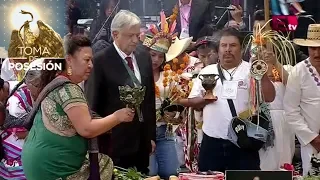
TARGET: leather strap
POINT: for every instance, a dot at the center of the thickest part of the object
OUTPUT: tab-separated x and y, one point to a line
57	82
131	74
230	101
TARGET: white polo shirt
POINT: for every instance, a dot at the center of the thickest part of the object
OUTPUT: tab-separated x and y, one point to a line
217	115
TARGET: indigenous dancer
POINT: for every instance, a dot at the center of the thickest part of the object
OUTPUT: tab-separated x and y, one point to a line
184	64
207	50
164	160
275	53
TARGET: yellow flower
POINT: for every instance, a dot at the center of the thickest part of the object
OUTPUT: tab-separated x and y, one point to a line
167	67
157	91
165	81
174	67
166	74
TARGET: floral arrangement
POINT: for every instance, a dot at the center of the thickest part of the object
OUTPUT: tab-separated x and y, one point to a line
133	97
179	67
175	87
272	41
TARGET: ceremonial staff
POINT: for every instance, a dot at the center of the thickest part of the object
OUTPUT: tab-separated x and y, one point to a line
267	12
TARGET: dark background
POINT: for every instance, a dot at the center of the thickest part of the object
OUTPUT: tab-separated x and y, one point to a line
264	175
152	8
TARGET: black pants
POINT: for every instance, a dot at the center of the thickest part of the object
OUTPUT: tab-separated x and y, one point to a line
221	155
139	159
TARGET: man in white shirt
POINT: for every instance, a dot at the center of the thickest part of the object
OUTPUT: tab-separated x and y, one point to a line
217	152
302	98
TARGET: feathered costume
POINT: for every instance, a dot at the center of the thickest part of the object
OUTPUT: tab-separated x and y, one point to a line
277	150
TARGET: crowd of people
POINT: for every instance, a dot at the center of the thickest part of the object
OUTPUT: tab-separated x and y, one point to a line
54	122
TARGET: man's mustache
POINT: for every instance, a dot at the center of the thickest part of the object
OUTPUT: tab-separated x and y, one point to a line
228	55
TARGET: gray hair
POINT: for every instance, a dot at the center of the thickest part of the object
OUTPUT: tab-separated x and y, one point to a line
124	18
32	76
66	40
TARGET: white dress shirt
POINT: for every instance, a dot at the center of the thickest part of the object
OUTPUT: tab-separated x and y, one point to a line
217	116
12	85
302	105
134	61
7	73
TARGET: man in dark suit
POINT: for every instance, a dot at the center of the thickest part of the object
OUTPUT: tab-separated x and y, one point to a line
193	15
118	65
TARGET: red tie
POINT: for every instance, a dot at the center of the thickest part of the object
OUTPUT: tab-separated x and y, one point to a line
130	64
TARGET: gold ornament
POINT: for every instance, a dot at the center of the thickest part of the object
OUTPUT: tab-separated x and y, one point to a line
47	44
69	71
27	47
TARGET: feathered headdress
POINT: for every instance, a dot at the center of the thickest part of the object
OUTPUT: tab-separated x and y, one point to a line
259	42
269	40
160	38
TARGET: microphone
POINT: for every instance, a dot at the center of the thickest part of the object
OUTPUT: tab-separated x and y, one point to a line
226	8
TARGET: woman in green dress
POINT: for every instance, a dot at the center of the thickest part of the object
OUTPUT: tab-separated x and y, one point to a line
56	146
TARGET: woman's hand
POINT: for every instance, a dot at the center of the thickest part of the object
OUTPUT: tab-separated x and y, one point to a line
171	115
236	14
270	58
21	135
233	24
124	115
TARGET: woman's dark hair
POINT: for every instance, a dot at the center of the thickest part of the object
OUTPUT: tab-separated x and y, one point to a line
259	15
229	31
75	43
207	30
103	6
73	14
163	64
1	83
164	58
48	75
207	42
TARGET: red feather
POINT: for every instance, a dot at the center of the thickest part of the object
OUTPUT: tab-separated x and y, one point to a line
154	29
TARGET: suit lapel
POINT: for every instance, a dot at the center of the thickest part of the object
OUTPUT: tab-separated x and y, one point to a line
141	66
195	4
119	66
